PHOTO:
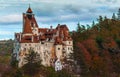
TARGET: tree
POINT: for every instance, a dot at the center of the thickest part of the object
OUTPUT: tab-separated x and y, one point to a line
100	19
105	18
113	16
79	28
88	26
118	14
33	63
93	24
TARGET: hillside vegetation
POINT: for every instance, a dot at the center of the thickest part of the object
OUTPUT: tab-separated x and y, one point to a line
6	47
97	48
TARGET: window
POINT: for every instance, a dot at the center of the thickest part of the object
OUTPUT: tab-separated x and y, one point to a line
49	39
69	42
58	48
28	39
35	30
24	49
32	24
68	48
25	44
42	42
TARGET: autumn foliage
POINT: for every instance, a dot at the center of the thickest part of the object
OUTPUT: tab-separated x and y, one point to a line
97	48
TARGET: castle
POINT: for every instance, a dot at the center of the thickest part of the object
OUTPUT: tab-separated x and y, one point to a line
50	43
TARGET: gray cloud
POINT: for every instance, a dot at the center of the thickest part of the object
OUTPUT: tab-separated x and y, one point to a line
53	11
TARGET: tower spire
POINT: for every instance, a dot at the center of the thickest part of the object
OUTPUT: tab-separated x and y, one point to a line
29	5
29	9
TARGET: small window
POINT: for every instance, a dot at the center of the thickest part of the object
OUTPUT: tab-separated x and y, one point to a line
35	29
32	24
68	48
49	39
42	42
58	48
69	42
25	44
24	49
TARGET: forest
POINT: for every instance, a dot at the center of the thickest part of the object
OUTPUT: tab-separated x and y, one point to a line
97	47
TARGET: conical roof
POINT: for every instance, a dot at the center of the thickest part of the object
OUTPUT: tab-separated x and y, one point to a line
29	10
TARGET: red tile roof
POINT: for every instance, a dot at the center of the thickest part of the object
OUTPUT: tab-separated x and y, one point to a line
29	39
62	27
58	41
43	30
27	27
47	33
34	21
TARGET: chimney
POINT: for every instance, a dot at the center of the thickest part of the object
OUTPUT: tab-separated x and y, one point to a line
50	28
58	26
58	29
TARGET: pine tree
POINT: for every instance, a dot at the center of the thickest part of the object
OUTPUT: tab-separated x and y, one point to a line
78	28
88	26
118	14
93	23
113	16
33	63
105	18
100	19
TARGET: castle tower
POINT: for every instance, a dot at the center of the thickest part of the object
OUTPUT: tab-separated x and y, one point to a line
30	25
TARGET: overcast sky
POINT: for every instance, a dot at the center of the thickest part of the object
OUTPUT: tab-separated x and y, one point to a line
53	12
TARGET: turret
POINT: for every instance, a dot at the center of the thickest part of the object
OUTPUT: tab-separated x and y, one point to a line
30	25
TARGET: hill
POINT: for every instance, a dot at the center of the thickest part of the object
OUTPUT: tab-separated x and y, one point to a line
6	47
97	48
